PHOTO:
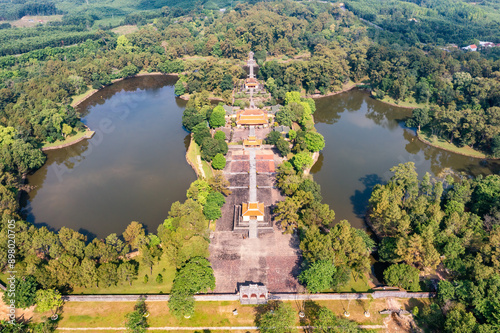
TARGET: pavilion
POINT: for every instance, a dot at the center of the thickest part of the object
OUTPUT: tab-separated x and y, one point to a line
252	211
251	117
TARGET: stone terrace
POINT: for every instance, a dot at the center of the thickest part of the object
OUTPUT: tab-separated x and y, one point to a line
271	259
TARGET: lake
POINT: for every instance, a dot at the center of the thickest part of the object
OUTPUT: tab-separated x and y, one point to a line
133	168
364	139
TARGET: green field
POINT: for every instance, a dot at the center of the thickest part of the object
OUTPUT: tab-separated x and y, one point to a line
138	286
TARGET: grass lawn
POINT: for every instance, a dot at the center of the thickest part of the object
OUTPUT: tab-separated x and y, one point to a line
112	314
358	285
78	98
444	144
410	103
138	286
68	140
192	153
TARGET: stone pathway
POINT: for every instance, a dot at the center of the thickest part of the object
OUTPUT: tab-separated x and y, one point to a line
253	177
252	229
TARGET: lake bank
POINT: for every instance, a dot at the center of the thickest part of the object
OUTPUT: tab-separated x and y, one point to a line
445	145
132	169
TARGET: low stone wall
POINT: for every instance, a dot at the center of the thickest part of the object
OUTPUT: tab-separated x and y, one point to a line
235	297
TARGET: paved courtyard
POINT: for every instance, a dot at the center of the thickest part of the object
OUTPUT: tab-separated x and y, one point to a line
273	258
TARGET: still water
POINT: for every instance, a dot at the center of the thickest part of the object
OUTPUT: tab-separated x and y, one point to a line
133	168
364	139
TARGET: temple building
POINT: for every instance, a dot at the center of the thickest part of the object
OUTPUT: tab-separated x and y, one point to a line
252	211
251	117
251	82
252	141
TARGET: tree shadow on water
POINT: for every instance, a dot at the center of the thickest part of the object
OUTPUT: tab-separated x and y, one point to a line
359	199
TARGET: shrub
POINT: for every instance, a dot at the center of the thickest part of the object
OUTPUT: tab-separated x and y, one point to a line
301	161
403	276
219	162
318	276
219	135
218	117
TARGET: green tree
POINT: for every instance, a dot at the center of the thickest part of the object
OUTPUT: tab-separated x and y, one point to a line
126	272
147	258
219	183
137	320
420	118
191	117
212	211
181	303
292	97
302	161
107	274
25	292
280	320
219	162
328	322
179	88
220	135
318	276
88	273
459	320
314	141
217	119
134	235
159	278
195	276
349	248
273	137
403	276
283	147
48	300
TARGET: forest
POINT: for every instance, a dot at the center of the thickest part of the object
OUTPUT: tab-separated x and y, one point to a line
309	48
432	21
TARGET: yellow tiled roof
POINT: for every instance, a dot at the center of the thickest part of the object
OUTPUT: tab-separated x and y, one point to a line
252	209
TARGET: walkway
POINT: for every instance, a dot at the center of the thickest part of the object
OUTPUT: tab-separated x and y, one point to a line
197	328
252	185
235	297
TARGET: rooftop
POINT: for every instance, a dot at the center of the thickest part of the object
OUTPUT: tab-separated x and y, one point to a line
252	209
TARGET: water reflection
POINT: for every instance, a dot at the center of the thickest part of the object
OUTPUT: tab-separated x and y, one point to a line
363	143
131	170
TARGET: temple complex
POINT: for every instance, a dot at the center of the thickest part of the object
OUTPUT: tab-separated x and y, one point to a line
251	117
247	250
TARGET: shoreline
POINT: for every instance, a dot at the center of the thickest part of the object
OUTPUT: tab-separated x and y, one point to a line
192	163
89	94
88	135
354	86
93	91
333	93
421	139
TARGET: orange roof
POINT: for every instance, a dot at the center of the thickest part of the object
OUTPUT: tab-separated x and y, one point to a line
251	117
251	80
252	209
252	142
